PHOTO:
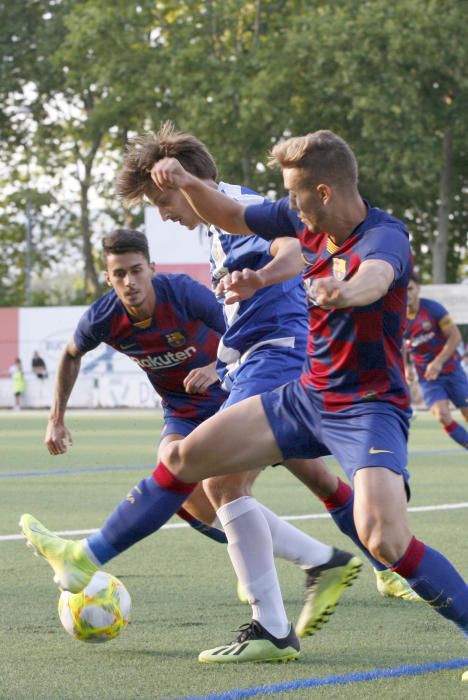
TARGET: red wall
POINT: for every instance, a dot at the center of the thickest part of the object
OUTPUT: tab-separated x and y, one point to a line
9	342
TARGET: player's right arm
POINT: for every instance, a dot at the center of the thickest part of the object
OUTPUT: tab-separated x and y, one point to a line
454	338
58	437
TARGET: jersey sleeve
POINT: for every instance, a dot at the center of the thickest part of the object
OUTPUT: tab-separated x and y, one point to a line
272	219
85	336
439	313
390	244
202	304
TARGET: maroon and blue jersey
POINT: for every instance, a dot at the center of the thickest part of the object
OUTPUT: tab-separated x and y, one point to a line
182	334
425	337
354	354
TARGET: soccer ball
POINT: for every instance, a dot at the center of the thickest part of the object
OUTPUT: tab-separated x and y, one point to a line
99	612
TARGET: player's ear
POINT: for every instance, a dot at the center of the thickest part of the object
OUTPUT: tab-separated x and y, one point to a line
325	193
106	277
153	267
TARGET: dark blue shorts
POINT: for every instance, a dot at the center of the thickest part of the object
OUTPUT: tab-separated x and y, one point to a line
371	434
263	370
453	386
181	426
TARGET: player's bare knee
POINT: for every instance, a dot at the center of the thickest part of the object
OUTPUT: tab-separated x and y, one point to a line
174	458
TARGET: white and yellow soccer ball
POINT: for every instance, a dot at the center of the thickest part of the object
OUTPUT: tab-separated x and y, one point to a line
99	612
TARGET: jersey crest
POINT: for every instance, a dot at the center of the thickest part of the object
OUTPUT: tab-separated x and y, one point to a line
339	269
175	339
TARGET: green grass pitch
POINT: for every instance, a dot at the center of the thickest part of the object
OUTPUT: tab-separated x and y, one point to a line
183	587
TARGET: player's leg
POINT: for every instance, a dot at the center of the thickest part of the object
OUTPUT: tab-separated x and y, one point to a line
381	522
437	394
225	439
441	411
457	390
235	440
250	547
143	511
198	506
338	498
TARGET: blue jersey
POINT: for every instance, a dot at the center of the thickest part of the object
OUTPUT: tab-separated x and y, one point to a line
182	333
353	355
274	316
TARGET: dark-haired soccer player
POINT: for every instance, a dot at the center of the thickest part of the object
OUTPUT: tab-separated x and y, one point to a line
169	325
432	339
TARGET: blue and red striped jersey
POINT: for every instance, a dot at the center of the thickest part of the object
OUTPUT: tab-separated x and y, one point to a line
425	338
353	355
182	334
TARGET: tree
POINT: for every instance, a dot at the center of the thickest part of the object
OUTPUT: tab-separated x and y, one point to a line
373	72
387	76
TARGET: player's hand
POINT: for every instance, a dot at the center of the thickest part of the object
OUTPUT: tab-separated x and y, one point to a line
433	370
199	379
329	293
410	374
168	173
57	438
239	285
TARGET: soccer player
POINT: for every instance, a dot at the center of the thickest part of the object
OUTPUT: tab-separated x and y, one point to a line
169	325
163	324
432	339
352	398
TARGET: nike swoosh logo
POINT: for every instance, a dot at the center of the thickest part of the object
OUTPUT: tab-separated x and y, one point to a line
126	347
373	451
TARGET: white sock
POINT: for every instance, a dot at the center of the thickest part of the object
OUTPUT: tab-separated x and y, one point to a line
294	545
250	549
217	523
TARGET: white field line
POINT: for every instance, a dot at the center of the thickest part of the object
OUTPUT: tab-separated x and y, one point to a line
311	516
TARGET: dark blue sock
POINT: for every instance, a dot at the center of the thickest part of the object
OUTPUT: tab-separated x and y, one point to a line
147	507
436	581
340	506
213	533
457	432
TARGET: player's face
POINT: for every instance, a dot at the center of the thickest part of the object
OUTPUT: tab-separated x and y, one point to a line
413	294
305	199
173	206
130	276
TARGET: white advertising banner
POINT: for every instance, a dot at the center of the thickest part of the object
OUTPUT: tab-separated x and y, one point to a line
107	378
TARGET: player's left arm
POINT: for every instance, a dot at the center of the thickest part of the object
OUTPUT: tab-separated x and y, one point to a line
286	263
370	283
199	379
454	337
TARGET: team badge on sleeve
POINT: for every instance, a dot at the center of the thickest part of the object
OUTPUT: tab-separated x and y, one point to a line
339	269
175	339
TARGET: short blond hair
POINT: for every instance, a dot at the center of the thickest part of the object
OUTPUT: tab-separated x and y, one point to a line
323	155
134	181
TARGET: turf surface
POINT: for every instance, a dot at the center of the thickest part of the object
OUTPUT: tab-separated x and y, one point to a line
183	588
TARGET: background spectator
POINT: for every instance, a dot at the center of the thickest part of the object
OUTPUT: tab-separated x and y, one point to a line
38	366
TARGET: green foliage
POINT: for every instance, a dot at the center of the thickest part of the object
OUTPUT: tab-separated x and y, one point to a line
389	77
